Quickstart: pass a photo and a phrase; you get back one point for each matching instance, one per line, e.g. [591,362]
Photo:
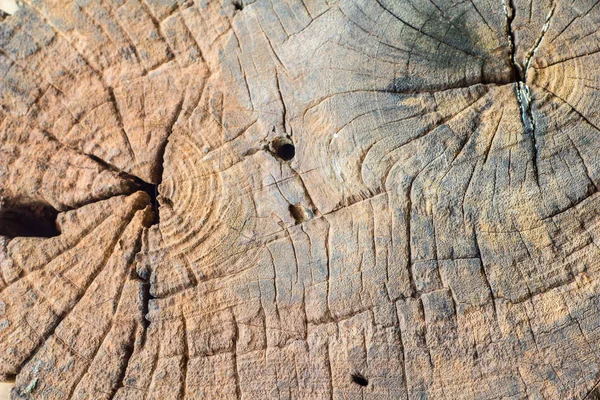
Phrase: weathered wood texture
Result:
[5,388]
[383,199]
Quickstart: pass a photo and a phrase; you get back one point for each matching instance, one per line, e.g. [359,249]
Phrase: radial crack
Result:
[509,12]
[29,220]
[538,42]
[522,91]
[524,99]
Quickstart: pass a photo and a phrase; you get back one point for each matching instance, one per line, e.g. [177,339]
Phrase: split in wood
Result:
[152,191]
[32,220]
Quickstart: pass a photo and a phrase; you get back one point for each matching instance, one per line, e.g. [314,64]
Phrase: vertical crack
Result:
[539,40]
[146,297]
[509,12]
[152,191]
[186,358]
[524,100]
[122,368]
[519,73]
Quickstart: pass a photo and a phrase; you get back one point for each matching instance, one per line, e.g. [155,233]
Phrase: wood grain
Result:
[383,199]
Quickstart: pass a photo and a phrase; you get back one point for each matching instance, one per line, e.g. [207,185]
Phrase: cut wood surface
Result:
[5,388]
[311,199]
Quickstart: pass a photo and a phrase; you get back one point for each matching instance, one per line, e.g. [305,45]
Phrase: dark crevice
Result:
[150,188]
[408,244]
[236,374]
[160,161]
[152,191]
[238,5]
[28,220]
[519,73]
[128,352]
[359,379]
[146,297]
[524,100]
[186,358]
[539,40]
[509,12]
[138,183]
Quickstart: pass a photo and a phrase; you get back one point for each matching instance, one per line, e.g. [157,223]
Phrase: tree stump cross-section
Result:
[311,199]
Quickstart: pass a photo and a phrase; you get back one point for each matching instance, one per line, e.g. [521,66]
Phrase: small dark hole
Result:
[286,151]
[298,213]
[360,380]
[238,5]
[283,147]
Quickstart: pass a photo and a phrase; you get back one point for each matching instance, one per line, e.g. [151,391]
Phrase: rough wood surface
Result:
[382,199]
[5,388]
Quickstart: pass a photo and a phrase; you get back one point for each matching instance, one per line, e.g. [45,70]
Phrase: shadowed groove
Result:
[31,220]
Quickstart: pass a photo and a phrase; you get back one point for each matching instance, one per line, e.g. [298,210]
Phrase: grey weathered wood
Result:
[434,233]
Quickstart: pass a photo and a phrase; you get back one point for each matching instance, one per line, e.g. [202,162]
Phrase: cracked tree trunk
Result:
[312,199]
